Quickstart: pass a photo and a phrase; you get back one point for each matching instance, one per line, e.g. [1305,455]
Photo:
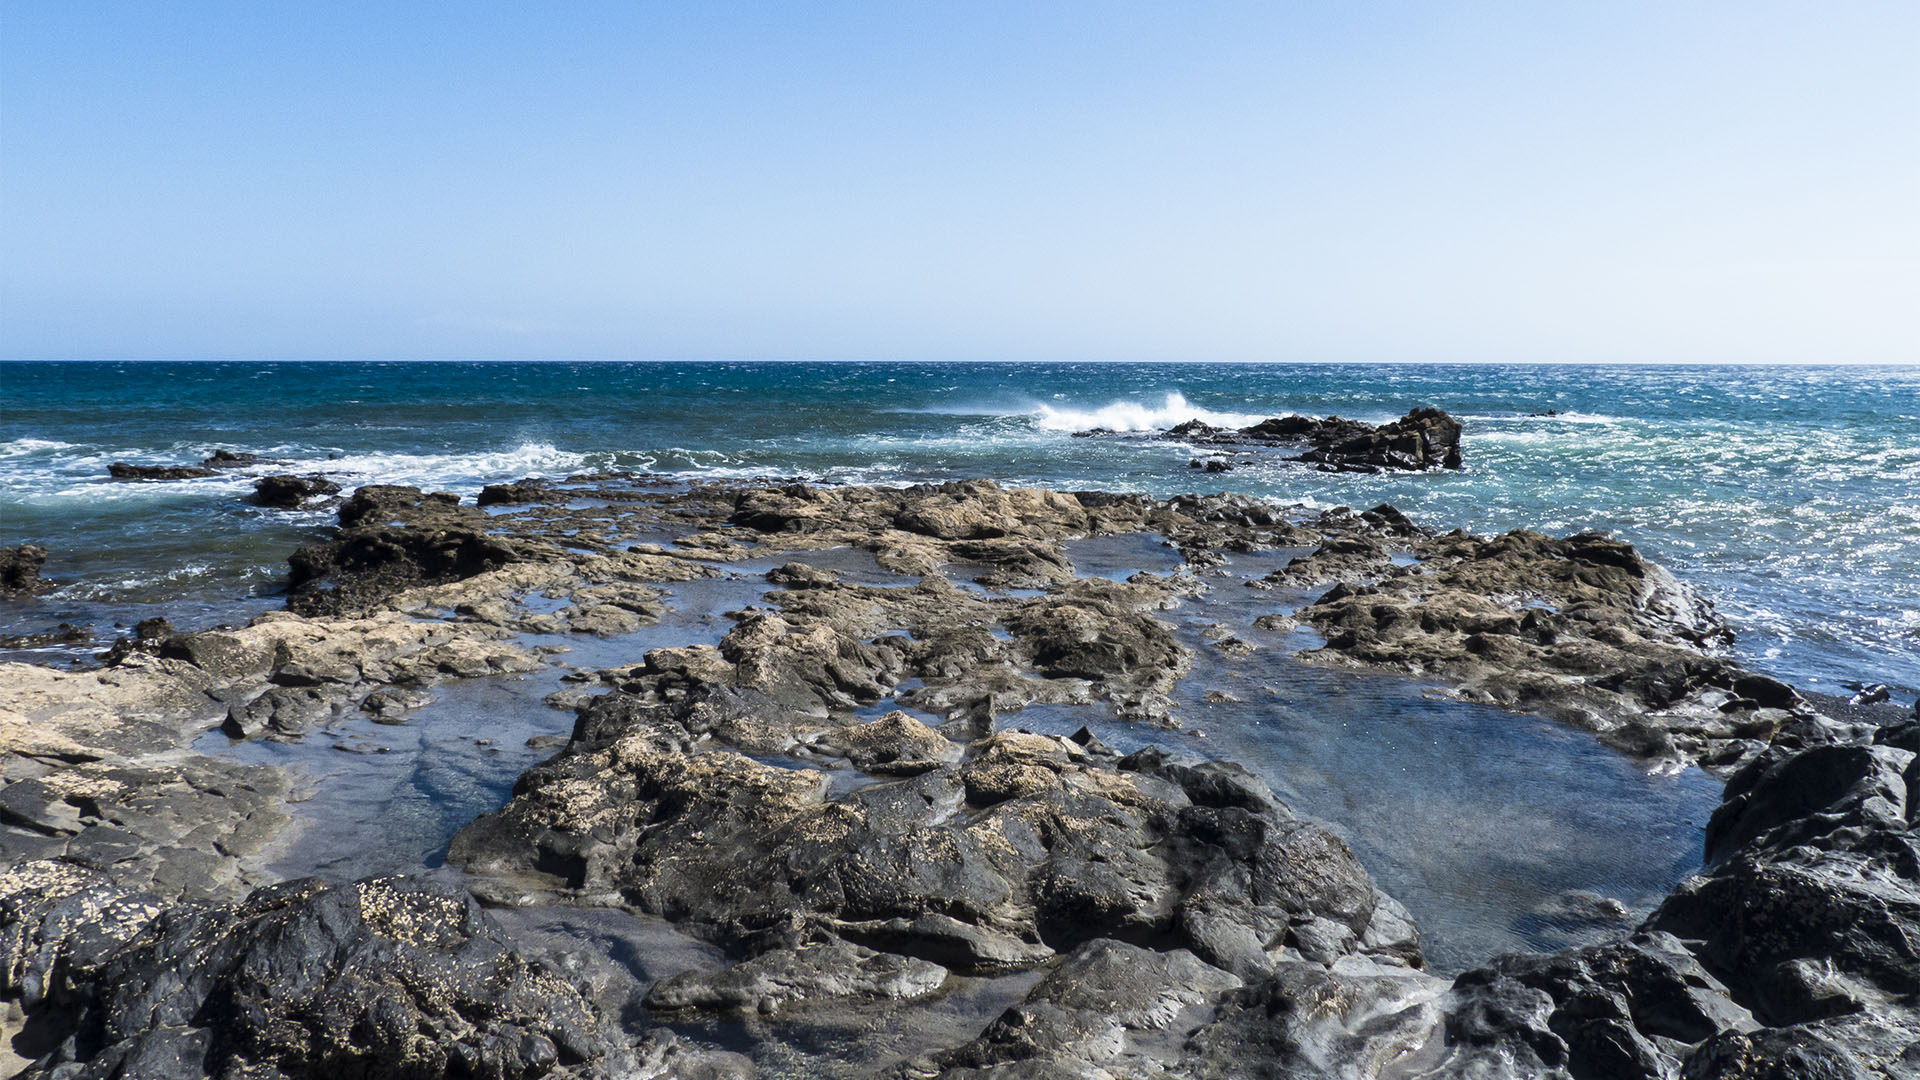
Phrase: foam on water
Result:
[1134,416]
[1791,496]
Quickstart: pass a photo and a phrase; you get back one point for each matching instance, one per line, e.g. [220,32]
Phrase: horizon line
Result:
[869,360]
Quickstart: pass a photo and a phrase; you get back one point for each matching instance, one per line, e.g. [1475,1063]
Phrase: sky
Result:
[941,180]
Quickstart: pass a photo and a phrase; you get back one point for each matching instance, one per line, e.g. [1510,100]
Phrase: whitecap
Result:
[1134,416]
[24,446]
[457,469]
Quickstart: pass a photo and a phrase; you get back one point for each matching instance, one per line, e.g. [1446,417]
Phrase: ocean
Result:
[1789,495]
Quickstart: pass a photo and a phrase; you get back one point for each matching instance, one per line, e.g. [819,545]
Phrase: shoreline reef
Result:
[945,894]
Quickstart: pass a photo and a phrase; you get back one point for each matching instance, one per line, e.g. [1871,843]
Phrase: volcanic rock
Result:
[227,459]
[383,977]
[393,539]
[20,571]
[120,470]
[291,492]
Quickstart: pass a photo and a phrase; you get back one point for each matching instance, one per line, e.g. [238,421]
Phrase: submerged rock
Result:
[64,634]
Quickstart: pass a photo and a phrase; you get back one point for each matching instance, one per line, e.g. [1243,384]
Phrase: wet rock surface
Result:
[1582,628]
[292,492]
[833,791]
[1425,438]
[393,539]
[121,470]
[20,571]
[1025,847]
[384,977]
[64,634]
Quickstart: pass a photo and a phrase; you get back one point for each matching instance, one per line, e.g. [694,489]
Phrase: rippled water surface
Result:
[1792,495]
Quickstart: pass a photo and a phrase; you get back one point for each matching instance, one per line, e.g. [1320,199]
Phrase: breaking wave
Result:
[1134,416]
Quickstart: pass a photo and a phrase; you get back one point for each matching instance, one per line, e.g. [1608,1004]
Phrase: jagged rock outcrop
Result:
[1025,847]
[20,571]
[291,492]
[397,538]
[383,977]
[1583,628]
[1425,438]
[1422,439]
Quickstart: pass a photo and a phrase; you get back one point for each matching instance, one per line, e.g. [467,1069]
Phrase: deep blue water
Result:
[1790,495]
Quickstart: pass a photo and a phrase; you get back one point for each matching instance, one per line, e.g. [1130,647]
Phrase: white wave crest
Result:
[22,447]
[454,470]
[1133,416]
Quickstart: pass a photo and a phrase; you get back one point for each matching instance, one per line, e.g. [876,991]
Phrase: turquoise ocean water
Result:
[1790,495]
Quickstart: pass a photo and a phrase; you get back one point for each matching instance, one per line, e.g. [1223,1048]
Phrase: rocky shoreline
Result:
[837,796]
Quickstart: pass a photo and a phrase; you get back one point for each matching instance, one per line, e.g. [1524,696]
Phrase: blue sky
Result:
[1627,181]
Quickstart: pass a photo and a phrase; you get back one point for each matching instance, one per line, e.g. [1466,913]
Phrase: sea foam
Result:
[1134,416]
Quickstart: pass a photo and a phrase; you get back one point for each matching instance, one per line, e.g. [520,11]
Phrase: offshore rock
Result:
[120,470]
[1425,438]
[291,492]
[63,634]
[383,977]
[1422,439]
[227,459]
[20,571]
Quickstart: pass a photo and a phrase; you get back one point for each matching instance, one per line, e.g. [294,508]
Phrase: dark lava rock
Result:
[1027,846]
[291,492]
[1109,1009]
[785,978]
[387,977]
[1422,439]
[520,492]
[1425,438]
[395,538]
[1796,955]
[1812,907]
[20,571]
[64,634]
[1582,628]
[227,459]
[120,470]
[1090,631]
[1607,1012]
[374,505]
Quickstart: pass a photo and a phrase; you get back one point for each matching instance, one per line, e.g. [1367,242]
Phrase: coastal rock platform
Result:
[835,801]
